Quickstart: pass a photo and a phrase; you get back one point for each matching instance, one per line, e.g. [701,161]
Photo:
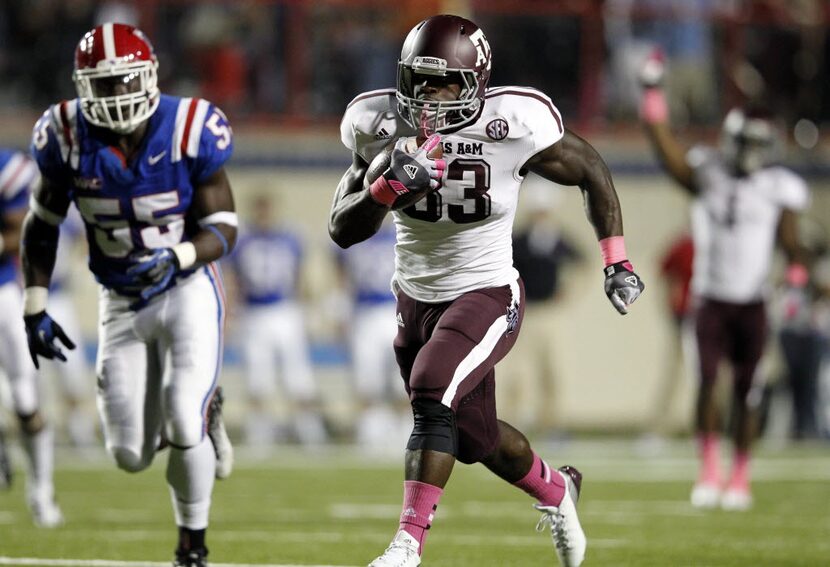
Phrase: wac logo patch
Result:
[497,129]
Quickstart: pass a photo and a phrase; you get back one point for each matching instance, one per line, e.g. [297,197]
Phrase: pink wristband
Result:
[613,250]
[653,107]
[797,275]
[382,192]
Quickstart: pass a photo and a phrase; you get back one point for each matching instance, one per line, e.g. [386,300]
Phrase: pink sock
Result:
[543,483]
[419,503]
[740,471]
[708,445]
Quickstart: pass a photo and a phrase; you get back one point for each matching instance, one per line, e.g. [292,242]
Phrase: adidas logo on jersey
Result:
[411,170]
[382,134]
[399,319]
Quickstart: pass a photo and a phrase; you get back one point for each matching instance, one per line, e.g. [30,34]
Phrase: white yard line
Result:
[29,561]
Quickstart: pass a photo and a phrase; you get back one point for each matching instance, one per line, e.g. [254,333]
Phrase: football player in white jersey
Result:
[146,172]
[18,178]
[743,204]
[460,300]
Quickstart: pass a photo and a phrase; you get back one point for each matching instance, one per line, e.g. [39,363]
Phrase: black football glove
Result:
[622,285]
[41,332]
[410,172]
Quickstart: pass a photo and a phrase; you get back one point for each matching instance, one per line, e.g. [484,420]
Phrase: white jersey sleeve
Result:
[540,121]
[792,193]
[370,123]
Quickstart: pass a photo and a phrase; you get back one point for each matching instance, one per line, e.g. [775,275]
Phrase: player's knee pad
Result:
[31,423]
[130,461]
[434,429]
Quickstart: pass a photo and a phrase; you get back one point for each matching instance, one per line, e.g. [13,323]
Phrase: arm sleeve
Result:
[793,191]
[18,179]
[545,122]
[215,145]
[45,148]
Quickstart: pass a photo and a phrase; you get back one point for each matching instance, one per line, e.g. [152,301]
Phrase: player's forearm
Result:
[355,216]
[601,203]
[214,241]
[10,233]
[789,239]
[38,246]
[670,153]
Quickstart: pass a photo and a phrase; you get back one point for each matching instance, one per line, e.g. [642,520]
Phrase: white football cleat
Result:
[219,436]
[402,552]
[567,534]
[705,495]
[736,499]
[46,513]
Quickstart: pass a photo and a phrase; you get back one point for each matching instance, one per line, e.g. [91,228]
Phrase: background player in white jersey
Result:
[743,205]
[18,177]
[146,172]
[367,270]
[267,264]
[460,300]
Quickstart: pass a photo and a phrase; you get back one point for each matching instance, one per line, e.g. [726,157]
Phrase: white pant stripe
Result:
[480,352]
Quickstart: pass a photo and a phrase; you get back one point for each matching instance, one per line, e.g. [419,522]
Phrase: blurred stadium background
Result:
[284,70]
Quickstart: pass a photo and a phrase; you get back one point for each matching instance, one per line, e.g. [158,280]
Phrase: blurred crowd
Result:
[305,60]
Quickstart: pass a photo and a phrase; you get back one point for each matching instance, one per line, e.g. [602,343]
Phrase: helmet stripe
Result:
[109,41]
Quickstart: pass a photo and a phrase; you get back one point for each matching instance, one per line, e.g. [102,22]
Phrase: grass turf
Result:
[336,508]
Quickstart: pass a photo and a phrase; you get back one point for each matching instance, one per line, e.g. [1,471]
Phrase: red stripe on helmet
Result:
[131,45]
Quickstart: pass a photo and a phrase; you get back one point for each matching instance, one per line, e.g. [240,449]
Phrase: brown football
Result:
[381,164]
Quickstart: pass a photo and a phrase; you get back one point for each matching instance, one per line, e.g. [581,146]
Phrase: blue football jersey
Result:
[129,208]
[370,267]
[267,265]
[18,177]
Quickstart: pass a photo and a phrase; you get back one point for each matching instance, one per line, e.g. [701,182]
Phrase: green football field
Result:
[336,507]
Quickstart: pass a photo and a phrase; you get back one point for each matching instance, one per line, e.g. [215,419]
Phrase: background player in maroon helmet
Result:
[460,300]
[744,204]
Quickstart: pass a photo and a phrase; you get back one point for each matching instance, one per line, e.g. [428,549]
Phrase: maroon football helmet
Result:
[750,139]
[454,49]
[116,76]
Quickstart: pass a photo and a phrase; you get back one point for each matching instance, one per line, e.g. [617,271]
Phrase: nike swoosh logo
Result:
[153,160]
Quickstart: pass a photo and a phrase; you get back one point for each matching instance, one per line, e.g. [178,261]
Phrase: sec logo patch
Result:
[497,129]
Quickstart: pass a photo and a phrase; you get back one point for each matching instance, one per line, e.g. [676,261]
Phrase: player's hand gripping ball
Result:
[412,168]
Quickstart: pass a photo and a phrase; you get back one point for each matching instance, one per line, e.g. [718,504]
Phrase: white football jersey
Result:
[735,223]
[458,238]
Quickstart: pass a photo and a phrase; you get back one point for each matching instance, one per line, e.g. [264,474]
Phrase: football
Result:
[381,164]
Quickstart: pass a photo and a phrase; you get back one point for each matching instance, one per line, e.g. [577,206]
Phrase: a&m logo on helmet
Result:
[482,48]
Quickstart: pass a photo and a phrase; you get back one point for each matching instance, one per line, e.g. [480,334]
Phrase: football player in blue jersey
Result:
[367,270]
[267,263]
[18,177]
[145,171]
